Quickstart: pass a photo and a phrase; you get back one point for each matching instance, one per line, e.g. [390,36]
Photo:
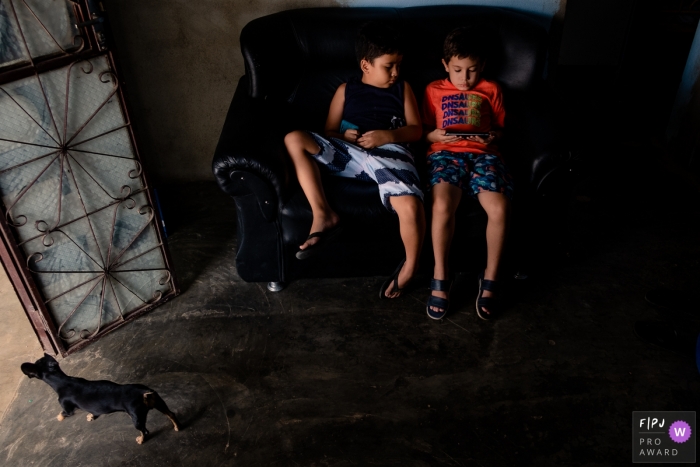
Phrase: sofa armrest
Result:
[250,144]
[534,144]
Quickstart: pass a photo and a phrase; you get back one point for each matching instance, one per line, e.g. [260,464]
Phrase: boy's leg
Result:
[412,227]
[391,167]
[446,199]
[497,207]
[493,185]
[300,146]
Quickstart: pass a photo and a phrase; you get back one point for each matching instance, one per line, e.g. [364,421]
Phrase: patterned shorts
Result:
[390,166]
[469,171]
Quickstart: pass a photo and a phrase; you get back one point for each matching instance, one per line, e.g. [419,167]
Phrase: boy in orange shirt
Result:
[467,103]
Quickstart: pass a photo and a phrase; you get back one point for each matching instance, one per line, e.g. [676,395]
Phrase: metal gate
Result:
[80,235]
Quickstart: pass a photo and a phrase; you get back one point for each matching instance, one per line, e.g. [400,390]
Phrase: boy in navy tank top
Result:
[369,121]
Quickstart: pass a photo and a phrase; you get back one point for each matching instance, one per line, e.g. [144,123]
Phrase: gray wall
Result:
[181,62]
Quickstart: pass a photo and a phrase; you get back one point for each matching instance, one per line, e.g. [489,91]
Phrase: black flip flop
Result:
[323,238]
[393,278]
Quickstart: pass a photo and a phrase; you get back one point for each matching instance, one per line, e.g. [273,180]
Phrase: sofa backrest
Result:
[302,56]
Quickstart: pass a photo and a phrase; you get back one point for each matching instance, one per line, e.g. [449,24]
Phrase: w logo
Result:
[679,431]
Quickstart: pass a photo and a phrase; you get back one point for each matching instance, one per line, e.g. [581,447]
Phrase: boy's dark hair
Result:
[465,41]
[377,38]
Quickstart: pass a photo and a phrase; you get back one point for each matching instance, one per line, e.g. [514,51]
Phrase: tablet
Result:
[466,133]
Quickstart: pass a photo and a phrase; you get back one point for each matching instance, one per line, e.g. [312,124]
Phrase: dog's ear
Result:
[30,370]
[50,361]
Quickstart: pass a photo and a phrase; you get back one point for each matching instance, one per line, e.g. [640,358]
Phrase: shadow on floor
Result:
[324,373]
[203,218]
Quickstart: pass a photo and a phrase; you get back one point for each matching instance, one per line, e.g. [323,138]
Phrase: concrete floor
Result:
[19,343]
[325,374]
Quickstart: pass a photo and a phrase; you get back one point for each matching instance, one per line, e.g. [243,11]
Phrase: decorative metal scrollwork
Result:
[97,264]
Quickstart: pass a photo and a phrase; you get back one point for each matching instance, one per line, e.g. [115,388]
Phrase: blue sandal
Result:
[442,304]
[491,303]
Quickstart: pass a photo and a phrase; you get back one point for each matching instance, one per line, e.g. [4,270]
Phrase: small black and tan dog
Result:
[98,397]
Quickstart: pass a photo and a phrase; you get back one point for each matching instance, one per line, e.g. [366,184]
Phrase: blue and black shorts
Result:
[475,173]
[390,166]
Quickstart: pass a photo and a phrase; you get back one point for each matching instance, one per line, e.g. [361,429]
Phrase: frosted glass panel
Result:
[48,26]
[73,191]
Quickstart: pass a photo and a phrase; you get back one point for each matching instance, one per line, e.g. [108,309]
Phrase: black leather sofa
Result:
[294,62]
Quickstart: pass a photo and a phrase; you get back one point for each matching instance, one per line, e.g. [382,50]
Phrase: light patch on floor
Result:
[19,343]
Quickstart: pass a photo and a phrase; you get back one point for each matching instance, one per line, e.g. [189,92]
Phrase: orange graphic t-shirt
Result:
[478,110]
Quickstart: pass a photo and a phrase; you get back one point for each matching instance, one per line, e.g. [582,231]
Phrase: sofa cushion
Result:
[280,49]
[285,52]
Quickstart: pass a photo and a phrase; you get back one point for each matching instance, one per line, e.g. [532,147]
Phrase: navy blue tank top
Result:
[372,108]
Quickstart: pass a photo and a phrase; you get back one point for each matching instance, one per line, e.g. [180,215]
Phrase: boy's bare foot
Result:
[405,276]
[320,224]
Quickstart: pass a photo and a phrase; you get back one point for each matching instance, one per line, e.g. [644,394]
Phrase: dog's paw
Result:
[90,417]
[139,439]
[60,417]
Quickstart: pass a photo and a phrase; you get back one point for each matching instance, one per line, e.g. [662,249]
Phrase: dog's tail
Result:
[150,398]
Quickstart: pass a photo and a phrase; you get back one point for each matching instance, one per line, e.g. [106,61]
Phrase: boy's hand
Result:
[373,139]
[351,136]
[492,135]
[440,136]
